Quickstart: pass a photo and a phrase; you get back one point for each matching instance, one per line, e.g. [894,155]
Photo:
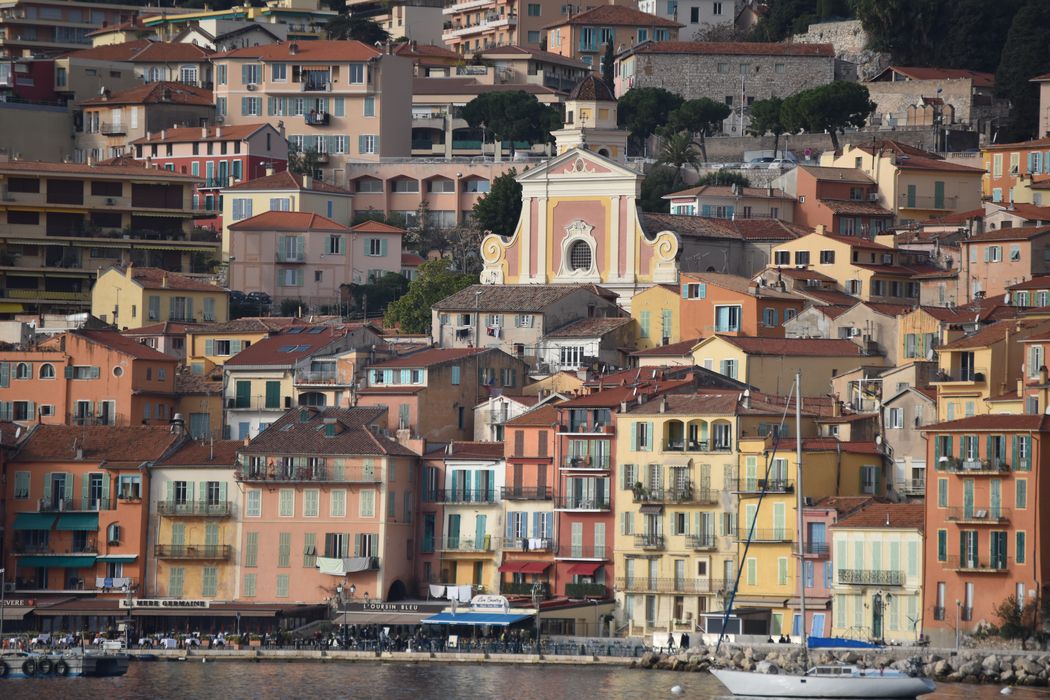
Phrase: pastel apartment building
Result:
[30,27]
[88,378]
[67,220]
[344,100]
[307,257]
[328,501]
[583,36]
[732,202]
[132,297]
[844,201]
[151,61]
[995,260]
[1014,172]
[209,346]
[711,302]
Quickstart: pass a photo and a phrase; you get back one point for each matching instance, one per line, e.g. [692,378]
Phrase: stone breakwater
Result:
[967,666]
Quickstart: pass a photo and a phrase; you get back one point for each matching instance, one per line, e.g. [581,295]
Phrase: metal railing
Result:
[283,474]
[701,541]
[586,590]
[582,503]
[644,584]
[469,544]
[966,614]
[815,549]
[106,419]
[323,378]
[526,493]
[88,547]
[926,201]
[686,494]
[976,466]
[649,541]
[529,544]
[988,516]
[696,446]
[192,551]
[870,577]
[485,496]
[513,588]
[284,256]
[938,613]
[975,564]
[757,486]
[587,462]
[911,487]
[776,534]
[47,505]
[112,128]
[957,376]
[220,509]
[584,552]
[320,119]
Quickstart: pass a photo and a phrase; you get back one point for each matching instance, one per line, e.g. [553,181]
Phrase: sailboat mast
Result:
[799,503]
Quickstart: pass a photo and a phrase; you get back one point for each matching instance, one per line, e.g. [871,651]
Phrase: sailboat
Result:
[822,681]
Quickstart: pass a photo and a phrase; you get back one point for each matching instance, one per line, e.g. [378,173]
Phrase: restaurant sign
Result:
[165,603]
[380,606]
[489,603]
[17,603]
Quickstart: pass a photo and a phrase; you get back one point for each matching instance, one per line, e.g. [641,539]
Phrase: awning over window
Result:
[511,567]
[78,521]
[119,558]
[587,568]
[474,618]
[534,567]
[652,508]
[34,521]
[65,562]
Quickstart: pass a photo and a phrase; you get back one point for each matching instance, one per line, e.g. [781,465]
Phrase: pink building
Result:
[328,501]
[304,256]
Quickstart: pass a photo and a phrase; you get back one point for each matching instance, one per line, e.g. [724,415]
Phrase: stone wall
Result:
[732,148]
[851,47]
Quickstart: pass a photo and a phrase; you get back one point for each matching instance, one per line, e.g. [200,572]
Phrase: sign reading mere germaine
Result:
[164,603]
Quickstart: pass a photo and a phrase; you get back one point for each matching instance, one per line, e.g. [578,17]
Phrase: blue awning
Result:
[78,521]
[474,618]
[34,521]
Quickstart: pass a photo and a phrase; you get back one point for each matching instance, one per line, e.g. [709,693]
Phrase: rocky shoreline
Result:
[946,666]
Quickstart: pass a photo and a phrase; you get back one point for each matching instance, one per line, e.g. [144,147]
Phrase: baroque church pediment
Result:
[577,162]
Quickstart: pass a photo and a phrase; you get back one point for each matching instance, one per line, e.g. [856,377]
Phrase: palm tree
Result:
[679,151]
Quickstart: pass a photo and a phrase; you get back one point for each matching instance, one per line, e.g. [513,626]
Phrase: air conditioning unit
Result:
[110,201]
[873,197]
[252,87]
[854,332]
[220,119]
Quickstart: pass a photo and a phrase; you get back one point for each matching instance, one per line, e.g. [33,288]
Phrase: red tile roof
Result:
[285,348]
[145,51]
[832,311]
[805,347]
[890,309]
[611,398]
[114,340]
[833,174]
[155,278]
[411,260]
[429,358]
[957,218]
[1018,329]
[412,49]
[115,445]
[882,516]
[737,48]
[805,273]
[615,16]
[526,51]
[728,191]
[858,242]
[192,134]
[831,297]
[1008,234]
[195,453]
[843,504]
[1032,143]
[251,324]
[738,284]
[162,328]
[993,421]
[138,170]
[544,416]
[708,227]
[288,221]
[156,93]
[679,349]
[306,51]
[590,327]
[1029,212]
[355,434]
[286,180]
[830,445]
[468,450]
[853,208]
[922,73]
[373,226]
[1038,282]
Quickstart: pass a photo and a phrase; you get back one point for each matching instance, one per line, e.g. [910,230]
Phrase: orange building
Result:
[712,302]
[1013,169]
[77,507]
[982,519]
[88,377]
[842,200]
[583,35]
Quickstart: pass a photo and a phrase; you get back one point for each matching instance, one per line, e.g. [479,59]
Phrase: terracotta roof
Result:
[292,435]
[138,170]
[590,327]
[854,208]
[162,328]
[615,16]
[831,297]
[807,347]
[411,260]
[851,418]
[843,504]
[720,403]
[155,278]
[196,453]
[251,324]
[832,311]
[122,26]
[997,331]
[1029,212]
[514,298]
[993,421]
[544,416]
[373,226]
[115,445]
[890,309]
[188,383]
[156,93]
[468,450]
[831,445]
[912,158]
[679,349]
[546,56]
[288,221]
[738,48]
[707,227]
[471,86]
[412,49]
[955,314]
[1038,282]
[1031,143]
[1008,234]
[857,242]
[805,273]
[145,51]
[285,348]
[922,73]
[728,191]
[114,340]
[636,376]
[820,172]
[286,180]
[192,134]
[430,358]
[592,88]
[956,218]
[739,284]
[611,398]
[882,516]
[307,51]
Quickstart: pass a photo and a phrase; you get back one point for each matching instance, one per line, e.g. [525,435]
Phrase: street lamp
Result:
[537,594]
[3,585]
[127,589]
[958,614]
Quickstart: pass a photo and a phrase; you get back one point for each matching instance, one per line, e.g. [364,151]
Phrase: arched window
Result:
[580,256]
[23,371]
[47,371]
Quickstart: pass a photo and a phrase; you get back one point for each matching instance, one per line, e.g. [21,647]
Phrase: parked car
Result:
[259,298]
[237,297]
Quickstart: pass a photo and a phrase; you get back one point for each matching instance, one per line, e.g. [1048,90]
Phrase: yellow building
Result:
[926,328]
[877,586]
[193,530]
[133,297]
[657,310]
[770,363]
[913,183]
[770,566]
[590,121]
[208,347]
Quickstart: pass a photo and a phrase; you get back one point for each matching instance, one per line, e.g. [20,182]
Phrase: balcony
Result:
[192,551]
[325,378]
[259,403]
[526,493]
[457,7]
[720,446]
[90,546]
[189,509]
[590,552]
[451,496]
[958,377]
[290,475]
[512,588]
[701,542]
[817,550]
[584,503]
[911,487]
[105,419]
[286,256]
[47,505]
[486,544]
[587,462]
[754,487]
[979,516]
[926,202]
[765,536]
[686,494]
[975,565]
[493,20]
[870,577]
[529,544]
[112,129]
[317,119]
[586,590]
[317,86]
[977,466]
[643,584]
[649,541]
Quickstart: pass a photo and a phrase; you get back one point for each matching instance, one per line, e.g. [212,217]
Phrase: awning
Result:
[16,612]
[474,618]
[64,562]
[34,521]
[652,508]
[341,567]
[9,307]
[511,567]
[119,558]
[363,617]
[534,567]
[587,568]
[78,521]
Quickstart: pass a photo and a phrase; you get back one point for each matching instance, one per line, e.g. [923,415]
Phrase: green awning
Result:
[34,521]
[64,562]
[119,558]
[78,521]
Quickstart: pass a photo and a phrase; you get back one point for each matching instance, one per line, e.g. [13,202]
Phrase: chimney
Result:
[218,132]
[128,271]
[164,280]
[307,182]
[149,135]
[293,48]
[163,134]
[745,398]
[268,169]
[820,229]
[663,404]
[204,132]
[623,407]
[178,425]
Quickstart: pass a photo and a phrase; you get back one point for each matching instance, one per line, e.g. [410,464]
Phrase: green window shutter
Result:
[178,534]
[67,489]
[211,534]
[222,492]
[5,374]
[209,347]
[251,549]
[382,247]
[942,545]
[284,549]
[273,394]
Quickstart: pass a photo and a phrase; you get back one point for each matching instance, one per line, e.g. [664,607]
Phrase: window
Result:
[242,209]
[802,257]
[782,257]
[368,503]
[727,318]
[282,586]
[895,418]
[311,503]
[375,247]
[286,503]
[769,318]
[367,143]
[21,492]
[993,253]
[580,256]
[357,73]
[250,73]
[827,257]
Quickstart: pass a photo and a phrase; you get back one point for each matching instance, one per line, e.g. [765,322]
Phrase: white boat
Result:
[826,682]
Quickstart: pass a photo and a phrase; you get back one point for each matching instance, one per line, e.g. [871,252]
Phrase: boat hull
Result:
[790,686]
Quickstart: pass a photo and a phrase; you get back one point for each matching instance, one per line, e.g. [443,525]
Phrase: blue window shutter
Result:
[685,291]
[701,290]
[536,524]
[705,210]
[509,532]
[729,212]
